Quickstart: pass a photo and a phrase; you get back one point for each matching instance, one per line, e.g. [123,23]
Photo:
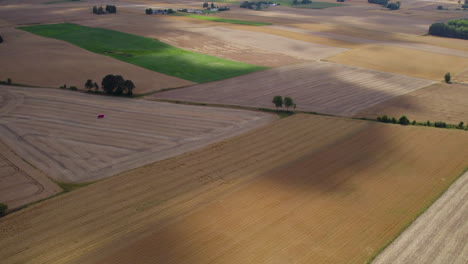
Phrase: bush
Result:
[403,120]
[73,88]
[8,81]
[3,209]
[440,124]
[393,6]
[447,77]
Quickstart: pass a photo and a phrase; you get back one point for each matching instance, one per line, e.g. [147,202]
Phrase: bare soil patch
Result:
[58,132]
[410,62]
[317,87]
[305,189]
[33,60]
[438,102]
[438,236]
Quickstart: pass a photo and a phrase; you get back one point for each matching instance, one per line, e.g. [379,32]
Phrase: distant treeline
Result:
[384,3]
[403,120]
[453,29]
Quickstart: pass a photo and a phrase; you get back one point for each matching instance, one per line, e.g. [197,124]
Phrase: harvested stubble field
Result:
[404,61]
[34,60]
[439,236]
[58,132]
[305,189]
[316,87]
[438,102]
[20,183]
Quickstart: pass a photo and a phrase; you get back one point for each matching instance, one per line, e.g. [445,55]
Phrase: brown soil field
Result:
[438,102]
[58,132]
[403,61]
[316,87]
[305,189]
[439,236]
[20,183]
[33,60]
[185,34]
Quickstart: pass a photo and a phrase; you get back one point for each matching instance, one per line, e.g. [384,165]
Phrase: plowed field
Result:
[321,87]
[58,132]
[305,189]
[438,102]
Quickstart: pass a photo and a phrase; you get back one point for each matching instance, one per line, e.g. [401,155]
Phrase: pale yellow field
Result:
[403,61]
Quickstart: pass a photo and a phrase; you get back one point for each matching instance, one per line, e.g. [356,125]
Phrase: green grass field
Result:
[146,52]
[225,20]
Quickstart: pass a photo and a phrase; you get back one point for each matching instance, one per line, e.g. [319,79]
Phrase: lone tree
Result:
[89,84]
[1,39]
[447,77]
[403,120]
[3,209]
[288,102]
[278,101]
[205,5]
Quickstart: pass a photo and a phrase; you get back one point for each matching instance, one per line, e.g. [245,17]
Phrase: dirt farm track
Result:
[305,189]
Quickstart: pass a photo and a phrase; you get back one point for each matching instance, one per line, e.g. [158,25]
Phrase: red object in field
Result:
[100,116]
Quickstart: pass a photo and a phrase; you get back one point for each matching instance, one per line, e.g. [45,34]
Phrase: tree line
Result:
[453,29]
[403,120]
[110,9]
[150,11]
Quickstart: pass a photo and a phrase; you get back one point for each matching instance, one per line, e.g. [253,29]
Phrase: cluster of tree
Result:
[403,120]
[453,29]
[3,209]
[301,2]
[110,9]
[278,101]
[112,84]
[384,3]
[212,6]
[150,11]
[255,5]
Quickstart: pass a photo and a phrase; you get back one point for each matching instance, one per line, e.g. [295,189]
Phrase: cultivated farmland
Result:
[20,183]
[34,60]
[144,52]
[57,131]
[438,102]
[409,62]
[319,87]
[305,189]
[439,236]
